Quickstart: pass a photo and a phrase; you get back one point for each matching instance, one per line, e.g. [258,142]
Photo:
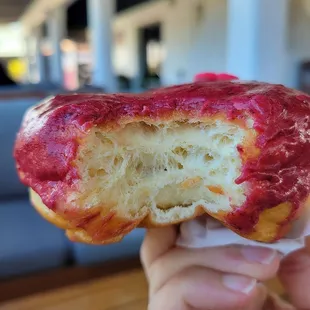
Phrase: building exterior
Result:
[253,39]
[204,35]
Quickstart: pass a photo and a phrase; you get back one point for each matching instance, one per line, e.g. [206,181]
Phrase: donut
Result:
[101,165]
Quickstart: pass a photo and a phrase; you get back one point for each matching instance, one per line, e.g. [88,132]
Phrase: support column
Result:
[257,39]
[56,29]
[39,57]
[29,57]
[100,14]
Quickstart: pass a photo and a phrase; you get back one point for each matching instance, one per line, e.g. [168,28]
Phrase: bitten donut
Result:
[100,165]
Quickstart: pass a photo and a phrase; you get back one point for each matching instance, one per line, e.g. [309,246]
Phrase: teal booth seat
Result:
[27,242]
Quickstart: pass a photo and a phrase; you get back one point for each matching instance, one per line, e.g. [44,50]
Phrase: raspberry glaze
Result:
[212,77]
[48,140]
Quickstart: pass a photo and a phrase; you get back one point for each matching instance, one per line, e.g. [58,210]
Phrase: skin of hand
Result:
[294,274]
[207,279]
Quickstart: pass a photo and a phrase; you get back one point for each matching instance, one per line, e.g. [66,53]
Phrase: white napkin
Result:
[206,232]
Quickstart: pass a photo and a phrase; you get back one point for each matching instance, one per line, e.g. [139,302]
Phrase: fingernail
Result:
[239,283]
[258,254]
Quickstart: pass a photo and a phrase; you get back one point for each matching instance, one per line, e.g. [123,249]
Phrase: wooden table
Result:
[79,288]
[127,290]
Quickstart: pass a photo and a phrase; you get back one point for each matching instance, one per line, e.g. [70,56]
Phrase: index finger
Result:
[157,242]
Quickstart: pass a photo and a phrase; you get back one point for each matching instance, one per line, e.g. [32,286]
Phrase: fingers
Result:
[157,242]
[255,262]
[202,288]
[212,278]
[274,302]
[295,275]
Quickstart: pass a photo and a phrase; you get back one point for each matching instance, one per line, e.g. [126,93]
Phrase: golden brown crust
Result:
[88,226]
[272,223]
[100,229]
[47,213]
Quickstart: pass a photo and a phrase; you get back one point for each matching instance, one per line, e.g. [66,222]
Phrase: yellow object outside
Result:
[17,69]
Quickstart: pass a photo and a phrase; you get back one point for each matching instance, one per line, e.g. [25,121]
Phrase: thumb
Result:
[295,275]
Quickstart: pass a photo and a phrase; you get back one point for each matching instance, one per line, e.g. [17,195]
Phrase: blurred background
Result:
[60,46]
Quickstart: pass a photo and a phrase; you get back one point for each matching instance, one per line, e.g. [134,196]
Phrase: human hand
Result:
[211,279]
[294,274]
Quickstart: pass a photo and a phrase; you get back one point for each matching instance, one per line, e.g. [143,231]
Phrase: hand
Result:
[294,274]
[206,279]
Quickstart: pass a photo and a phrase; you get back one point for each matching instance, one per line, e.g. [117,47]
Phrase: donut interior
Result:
[164,167]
